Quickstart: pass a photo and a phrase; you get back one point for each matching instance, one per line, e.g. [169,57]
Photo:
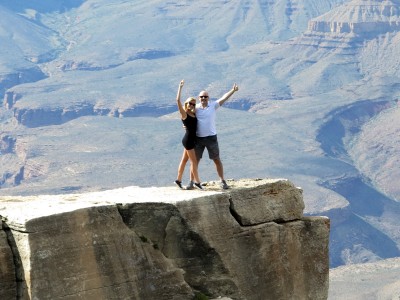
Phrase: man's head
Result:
[203,97]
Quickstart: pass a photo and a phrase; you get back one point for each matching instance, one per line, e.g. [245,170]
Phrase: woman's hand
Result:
[235,87]
[178,101]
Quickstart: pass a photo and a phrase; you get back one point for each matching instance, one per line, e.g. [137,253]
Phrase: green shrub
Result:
[199,296]
[143,239]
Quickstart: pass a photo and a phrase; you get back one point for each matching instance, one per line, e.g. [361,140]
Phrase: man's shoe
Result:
[224,185]
[198,185]
[190,186]
[179,183]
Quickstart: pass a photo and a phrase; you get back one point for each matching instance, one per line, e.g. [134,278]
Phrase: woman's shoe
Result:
[224,185]
[198,185]
[179,183]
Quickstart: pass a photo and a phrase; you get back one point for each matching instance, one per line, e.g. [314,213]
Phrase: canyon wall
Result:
[249,242]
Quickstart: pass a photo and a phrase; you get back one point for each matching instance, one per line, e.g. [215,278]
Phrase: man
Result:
[207,133]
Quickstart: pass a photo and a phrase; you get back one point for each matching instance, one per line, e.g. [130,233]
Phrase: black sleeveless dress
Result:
[189,138]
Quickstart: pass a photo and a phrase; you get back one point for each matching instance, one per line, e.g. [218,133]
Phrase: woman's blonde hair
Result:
[190,99]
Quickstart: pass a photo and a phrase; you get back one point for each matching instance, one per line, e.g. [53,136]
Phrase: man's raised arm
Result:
[227,95]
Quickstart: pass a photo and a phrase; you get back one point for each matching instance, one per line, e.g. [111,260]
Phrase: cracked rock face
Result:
[161,243]
[8,286]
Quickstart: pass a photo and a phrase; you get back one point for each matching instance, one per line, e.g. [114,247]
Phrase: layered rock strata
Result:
[363,17]
[347,26]
[250,242]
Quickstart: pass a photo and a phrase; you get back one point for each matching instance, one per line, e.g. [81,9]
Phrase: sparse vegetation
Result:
[200,296]
[143,239]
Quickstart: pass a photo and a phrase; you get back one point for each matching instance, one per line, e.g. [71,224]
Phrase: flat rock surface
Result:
[19,209]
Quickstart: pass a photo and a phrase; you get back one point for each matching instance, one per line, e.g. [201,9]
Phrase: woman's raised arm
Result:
[178,101]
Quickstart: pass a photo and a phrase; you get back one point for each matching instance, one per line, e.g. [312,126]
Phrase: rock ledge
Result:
[162,243]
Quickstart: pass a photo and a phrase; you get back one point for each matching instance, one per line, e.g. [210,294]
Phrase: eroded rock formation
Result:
[363,17]
[250,242]
[349,25]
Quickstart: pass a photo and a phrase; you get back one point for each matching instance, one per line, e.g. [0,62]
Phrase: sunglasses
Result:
[192,104]
[204,97]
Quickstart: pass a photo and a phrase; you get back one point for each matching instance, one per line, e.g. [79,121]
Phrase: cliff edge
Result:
[249,242]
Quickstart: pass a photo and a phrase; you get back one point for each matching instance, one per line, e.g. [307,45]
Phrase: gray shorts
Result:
[209,142]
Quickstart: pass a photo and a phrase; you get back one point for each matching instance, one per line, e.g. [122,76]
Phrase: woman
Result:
[189,121]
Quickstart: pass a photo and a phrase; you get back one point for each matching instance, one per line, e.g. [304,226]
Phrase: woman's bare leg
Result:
[193,165]
[182,165]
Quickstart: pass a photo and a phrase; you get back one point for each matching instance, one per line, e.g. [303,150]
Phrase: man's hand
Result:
[226,96]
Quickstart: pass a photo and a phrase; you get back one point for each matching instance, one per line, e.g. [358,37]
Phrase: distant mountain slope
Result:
[198,41]
[375,151]
[312,75]
[366,281]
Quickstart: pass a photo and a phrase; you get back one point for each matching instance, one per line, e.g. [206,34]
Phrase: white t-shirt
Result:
[206,119]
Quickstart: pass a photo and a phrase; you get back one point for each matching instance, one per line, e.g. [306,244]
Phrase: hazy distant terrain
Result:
[89,90]
[379,280]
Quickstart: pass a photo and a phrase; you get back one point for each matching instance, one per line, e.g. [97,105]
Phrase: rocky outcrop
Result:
[360,17]
[15,78]
[250,242]
[46,116]
[347,26]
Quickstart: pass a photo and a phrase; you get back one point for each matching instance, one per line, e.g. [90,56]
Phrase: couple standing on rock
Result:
[201,133]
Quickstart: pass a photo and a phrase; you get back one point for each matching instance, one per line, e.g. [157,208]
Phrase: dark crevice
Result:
[19,270]
[234,214]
